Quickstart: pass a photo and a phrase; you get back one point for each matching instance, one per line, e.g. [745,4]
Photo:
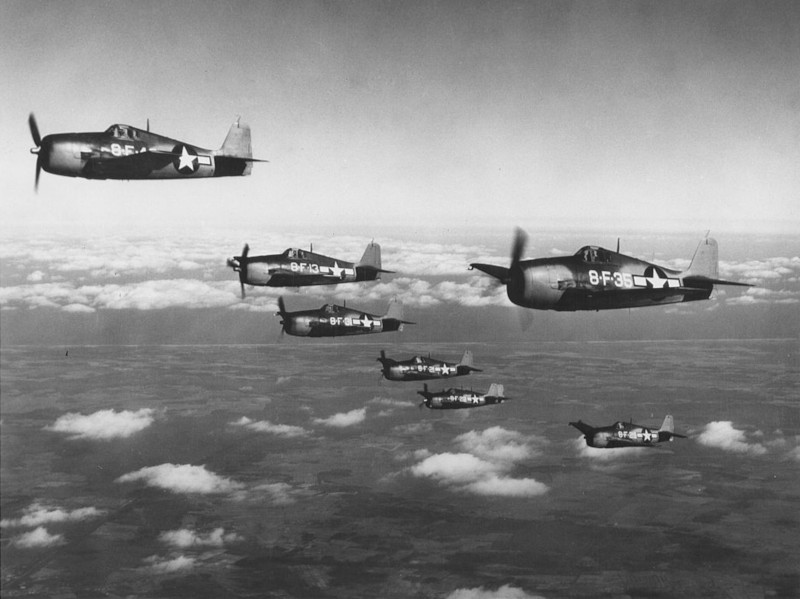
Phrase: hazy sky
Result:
[635,115]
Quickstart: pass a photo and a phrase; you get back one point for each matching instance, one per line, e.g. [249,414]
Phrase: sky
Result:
[433,128]
[652,116]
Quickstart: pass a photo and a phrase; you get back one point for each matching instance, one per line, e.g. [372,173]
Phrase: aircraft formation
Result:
[594,278]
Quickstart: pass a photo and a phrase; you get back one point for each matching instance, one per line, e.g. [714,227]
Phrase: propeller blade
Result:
[38,172]
[281,307]
[520,239]
[37,139]
[243,267]
[525,318]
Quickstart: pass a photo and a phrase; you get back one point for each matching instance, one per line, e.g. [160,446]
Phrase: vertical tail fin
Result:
[395,310]
[496,390]
[668,426]
[236,145]
[372,256]
[705,262]
[466,359]
[369,268]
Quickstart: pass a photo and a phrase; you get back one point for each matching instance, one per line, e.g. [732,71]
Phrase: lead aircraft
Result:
[421,368]
[296,268]
[332,320]
[126,152]
[627,434]
[595,278]
[456,399]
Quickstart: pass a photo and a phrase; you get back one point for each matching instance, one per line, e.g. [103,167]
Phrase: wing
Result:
[133,166]
[299,280]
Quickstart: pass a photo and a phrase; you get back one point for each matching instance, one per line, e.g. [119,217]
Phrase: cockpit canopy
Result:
[593,253]
[295,254]
[123,132]
[331,309]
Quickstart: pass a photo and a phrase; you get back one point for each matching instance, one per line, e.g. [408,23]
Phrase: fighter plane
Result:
[456,399]
[296,267]
[421,368]
[626,434]
[126,152]
[332,320]
[595,278]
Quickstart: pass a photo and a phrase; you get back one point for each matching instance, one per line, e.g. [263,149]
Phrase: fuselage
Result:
[595,279]
[125,152]
[420,369]
[298,268]
[333,321]
[454,399]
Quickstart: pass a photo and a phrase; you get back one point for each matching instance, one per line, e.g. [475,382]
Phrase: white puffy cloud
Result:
[184,538]
[38,537]
[35,276]
[103,425]
[37,514]
[182,478]
[487,473]
[722,435]
[504,592]
[265,426]
[158,565]
[497,444]
[344,419]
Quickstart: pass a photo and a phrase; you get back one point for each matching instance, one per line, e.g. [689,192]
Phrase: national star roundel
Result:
[186,162]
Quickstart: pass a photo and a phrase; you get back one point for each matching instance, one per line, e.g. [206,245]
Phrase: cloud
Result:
[167,566]
[183,478]
[722,435]
[504,592]
[184,538]
[265,426]
[103,425]
[38,538]
[37,514]
[344,419]
[497,444]
[498,451]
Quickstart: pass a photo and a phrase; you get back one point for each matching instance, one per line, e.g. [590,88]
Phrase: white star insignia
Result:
[446,369]
[366,321]
[647,435]
[337,270]
[187,160]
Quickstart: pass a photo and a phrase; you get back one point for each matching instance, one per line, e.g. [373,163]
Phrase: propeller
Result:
[520,240]
[282,313]
[37,139]
[239,263]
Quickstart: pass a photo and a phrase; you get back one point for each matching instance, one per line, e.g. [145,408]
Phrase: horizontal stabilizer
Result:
[702,282]
[583,427]
[498,272]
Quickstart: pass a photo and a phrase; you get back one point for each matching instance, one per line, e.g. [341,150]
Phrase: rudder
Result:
[496,390]
[668,426]
[705,262]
